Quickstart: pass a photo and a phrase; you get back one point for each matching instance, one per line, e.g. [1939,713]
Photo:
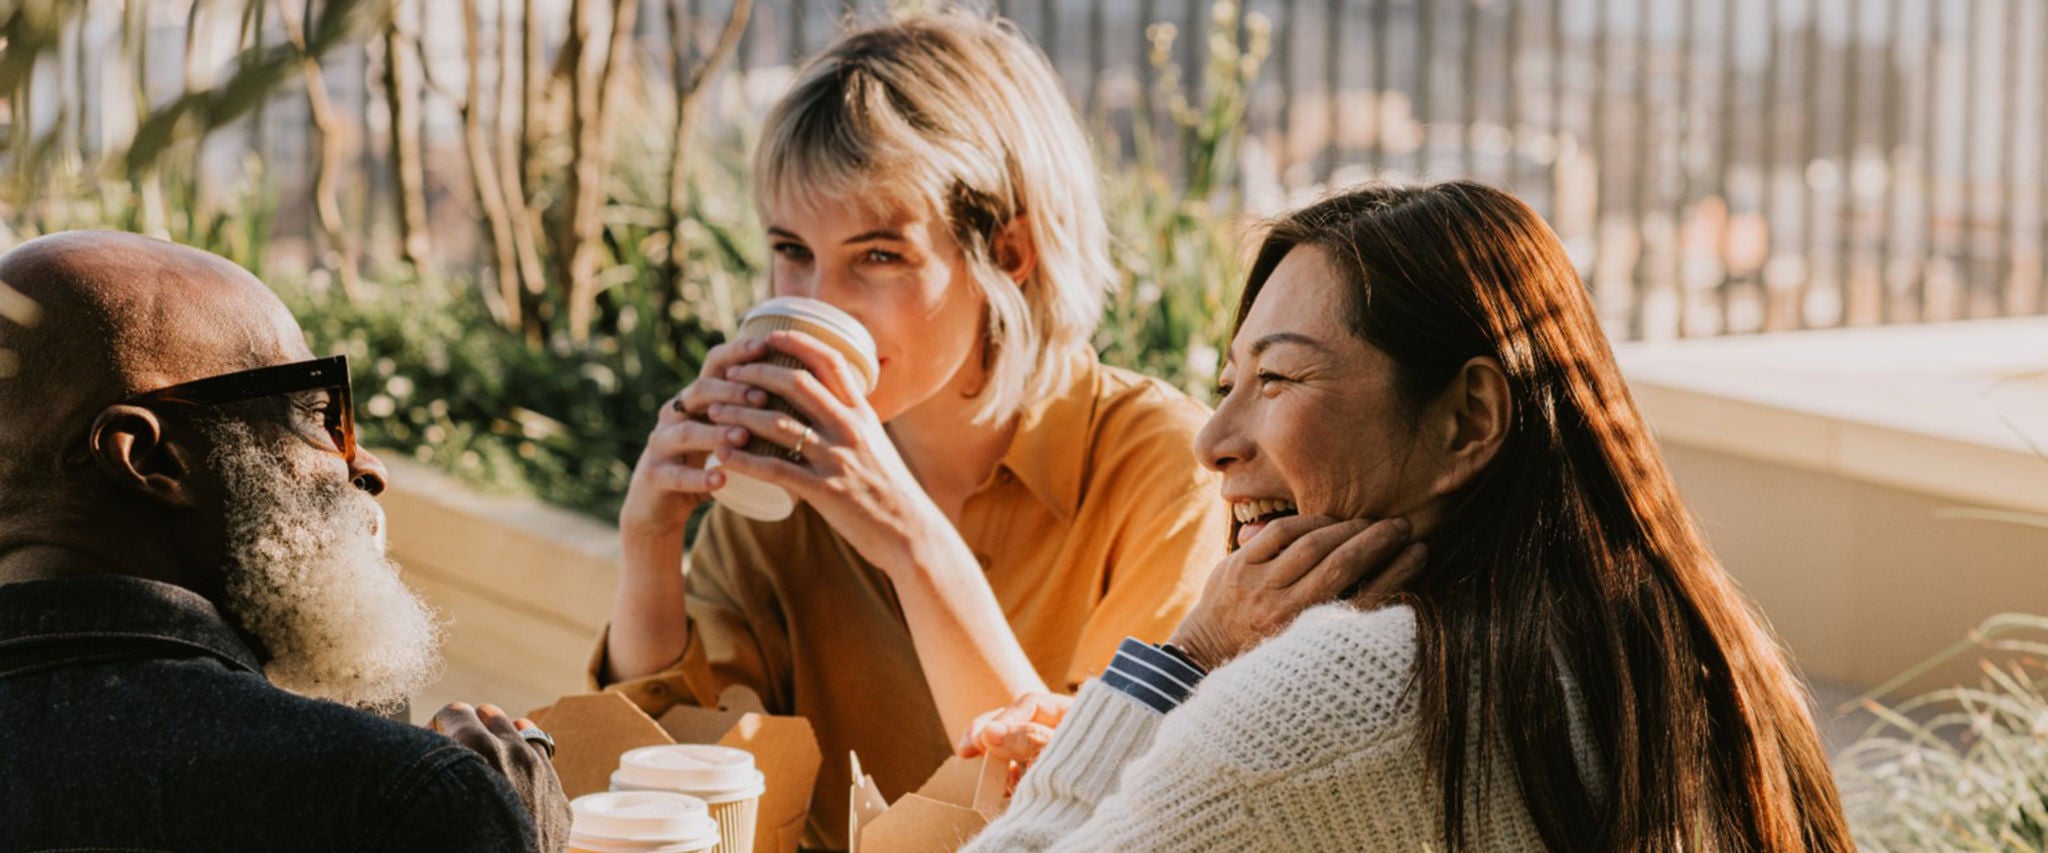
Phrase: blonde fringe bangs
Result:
[957,117]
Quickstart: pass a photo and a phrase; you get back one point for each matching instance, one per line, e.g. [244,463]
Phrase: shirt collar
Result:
[1049,453]
[117,609]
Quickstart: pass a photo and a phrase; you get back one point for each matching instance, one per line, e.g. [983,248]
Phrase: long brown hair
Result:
[1570,560]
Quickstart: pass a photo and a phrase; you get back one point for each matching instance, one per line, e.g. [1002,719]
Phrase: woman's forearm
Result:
[970,657]
[1057,800]
[650,624]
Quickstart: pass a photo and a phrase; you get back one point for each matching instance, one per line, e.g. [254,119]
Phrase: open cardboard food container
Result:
[954,804]
[592,730]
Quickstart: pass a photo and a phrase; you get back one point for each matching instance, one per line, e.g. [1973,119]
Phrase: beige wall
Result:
[1860,580]
[1828,469]
[526,587]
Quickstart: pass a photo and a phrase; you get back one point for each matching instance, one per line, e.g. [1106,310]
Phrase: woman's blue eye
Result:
[792,251]
[878,256]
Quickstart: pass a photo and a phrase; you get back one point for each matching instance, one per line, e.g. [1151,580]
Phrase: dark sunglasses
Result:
[325,375]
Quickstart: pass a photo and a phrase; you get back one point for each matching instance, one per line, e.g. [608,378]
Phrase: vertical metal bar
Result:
[1194,50]
[1809,148]
[1425,97]
[1846,248]
[1048,30]
[2041,152]
[1731,106]
[1147,105]
[1098,57]
[1688,85]
[1968,182]
[1382,82]
[1772,106]
[1894,93]
[748,51]
[1283,55]
[1241,31]
[1596,137]
[689,47]
[798,39]
[1930,248]
[1333,86]
[1559,73]
[1647,171]
[1468,106]
[1512,85]
[2008,157]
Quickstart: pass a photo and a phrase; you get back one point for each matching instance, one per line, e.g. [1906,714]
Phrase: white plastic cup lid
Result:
[643,817]
[714,773]
[821,313]
[752,498]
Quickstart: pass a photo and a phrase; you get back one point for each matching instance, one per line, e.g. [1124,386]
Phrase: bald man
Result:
[195,604]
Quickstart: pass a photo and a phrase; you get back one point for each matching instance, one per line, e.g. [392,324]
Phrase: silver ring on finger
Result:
[533,735]
[801,440]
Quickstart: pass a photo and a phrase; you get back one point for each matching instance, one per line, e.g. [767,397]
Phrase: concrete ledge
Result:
[1952,409]
[526,586]
[1827,468]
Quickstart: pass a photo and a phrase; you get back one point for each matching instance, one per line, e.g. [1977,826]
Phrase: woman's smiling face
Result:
[903,277]
[1309,419]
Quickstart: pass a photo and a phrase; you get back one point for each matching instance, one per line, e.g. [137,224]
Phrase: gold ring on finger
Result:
[801,440]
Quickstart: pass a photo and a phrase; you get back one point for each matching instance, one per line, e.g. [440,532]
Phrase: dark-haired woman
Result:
[1563,665]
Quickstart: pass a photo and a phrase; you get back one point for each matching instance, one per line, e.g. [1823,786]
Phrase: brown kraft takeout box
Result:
[592,730]
[954,804]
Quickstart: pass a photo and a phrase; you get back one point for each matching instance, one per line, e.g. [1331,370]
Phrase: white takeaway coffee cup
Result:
[641,822]
[723,777]
[834,328]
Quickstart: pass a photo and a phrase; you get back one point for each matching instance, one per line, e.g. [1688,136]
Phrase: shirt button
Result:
[657,689]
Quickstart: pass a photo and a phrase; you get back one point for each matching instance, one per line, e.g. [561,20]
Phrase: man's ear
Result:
[1473,417]
[1015,250]
[130,447]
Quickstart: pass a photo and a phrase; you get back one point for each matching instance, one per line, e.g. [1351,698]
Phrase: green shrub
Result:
[440,378]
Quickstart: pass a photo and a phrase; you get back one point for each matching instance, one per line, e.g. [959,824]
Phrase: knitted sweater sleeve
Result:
[1259,745]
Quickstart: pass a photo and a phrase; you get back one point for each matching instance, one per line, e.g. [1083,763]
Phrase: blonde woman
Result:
[1001,511]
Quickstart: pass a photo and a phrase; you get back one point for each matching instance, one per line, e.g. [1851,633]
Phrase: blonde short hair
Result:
[959,116]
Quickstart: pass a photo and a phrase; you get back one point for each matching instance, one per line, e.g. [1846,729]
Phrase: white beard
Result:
[308,577]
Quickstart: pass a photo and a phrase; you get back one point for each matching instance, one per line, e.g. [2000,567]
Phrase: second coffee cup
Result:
[834,328]
[641,822]
[721,776]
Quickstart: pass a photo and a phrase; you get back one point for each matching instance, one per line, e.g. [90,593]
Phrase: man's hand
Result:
[493,734]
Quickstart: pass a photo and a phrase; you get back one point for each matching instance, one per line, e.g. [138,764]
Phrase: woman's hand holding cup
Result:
[846,467]
[1294,564]
[670,481]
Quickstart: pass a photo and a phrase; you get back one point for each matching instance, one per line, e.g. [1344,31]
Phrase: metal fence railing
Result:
[1714,166]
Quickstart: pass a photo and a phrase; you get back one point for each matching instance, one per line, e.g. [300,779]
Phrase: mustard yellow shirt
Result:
[1099,523]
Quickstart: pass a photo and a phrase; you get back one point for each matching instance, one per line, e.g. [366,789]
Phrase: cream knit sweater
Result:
[1307,742]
